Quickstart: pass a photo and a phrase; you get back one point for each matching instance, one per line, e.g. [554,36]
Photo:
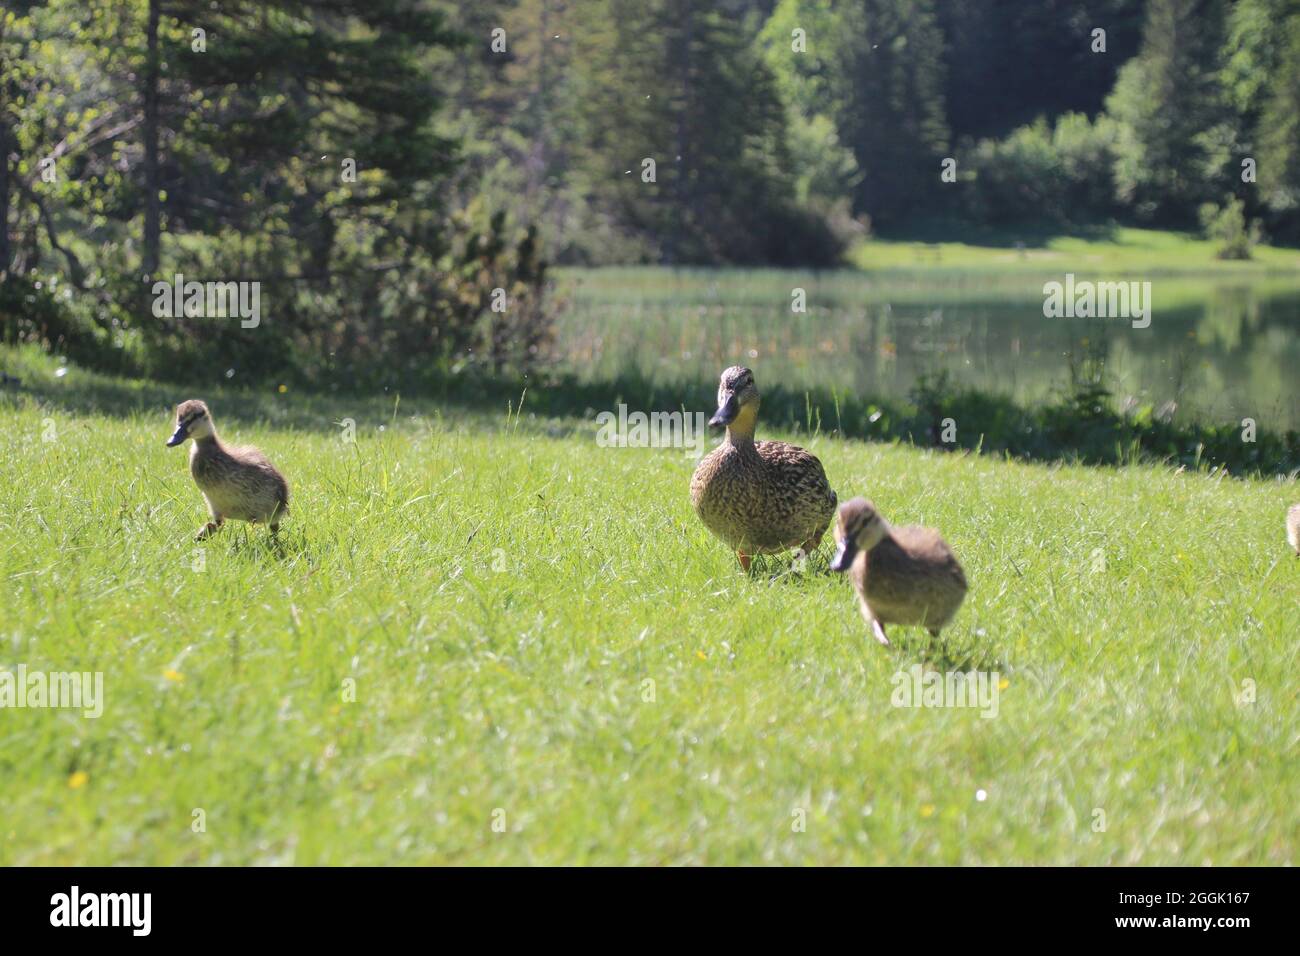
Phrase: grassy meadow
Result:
[552,661]
[1118,251]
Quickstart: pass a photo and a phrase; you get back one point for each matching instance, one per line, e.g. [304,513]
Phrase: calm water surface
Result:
[1221,350]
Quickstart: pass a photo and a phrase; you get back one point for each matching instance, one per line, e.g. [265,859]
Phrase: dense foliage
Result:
[397,174]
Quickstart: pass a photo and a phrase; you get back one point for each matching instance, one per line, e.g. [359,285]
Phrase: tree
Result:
[1174,137]
[1279,132]
[1009,63]
[686,137]
[149,94]
[876,68]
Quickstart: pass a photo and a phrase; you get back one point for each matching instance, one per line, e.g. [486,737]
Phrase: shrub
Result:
[1227,225]
[1061,174]
[30,312]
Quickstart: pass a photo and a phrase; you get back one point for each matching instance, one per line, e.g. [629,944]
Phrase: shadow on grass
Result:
[255,541]
[946,655]
[788,569]
[1079,428]
[1033,235]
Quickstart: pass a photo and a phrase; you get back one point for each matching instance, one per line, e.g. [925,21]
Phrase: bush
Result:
[1038,172]
[1227,225]
[31,313]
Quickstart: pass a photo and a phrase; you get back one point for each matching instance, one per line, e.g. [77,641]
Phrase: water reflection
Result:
[1213,352]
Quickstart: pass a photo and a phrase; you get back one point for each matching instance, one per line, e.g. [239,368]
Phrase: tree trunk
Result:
[4,196]
[680,159]
[4,172]
[152,212]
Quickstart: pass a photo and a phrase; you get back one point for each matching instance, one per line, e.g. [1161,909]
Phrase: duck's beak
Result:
[844,556]
[727,411]
[178,436]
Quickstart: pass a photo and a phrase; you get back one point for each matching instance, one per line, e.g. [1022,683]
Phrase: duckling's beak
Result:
[727,411]
[178,436]
[844,556]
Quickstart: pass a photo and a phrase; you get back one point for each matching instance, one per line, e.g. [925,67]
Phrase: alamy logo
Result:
[58,689]
[1101,300]
[657,430]
[208,300]
[917,687]
[134,910]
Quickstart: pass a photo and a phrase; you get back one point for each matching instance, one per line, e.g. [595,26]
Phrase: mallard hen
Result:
[758,497]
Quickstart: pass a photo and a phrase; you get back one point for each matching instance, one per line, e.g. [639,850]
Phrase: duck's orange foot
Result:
[744,560]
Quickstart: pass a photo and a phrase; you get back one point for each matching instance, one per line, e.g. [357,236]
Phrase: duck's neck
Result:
[207,444]
[740,432]
[886,534]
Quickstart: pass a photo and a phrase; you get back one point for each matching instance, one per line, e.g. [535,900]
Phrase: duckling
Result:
[903,576]
[1293,528]
[758,497]
[237,483]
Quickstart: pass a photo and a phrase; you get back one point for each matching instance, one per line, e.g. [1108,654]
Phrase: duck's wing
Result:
[926,551]
[797,469]
[705,472]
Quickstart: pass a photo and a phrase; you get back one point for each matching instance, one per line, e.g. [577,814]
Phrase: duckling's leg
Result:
[276,517]
[877,629]
[209,529]
[744,560]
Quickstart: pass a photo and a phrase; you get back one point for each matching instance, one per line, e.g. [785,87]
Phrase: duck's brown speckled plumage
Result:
[1293,528]
[759,497]
[906,576]
[238,483]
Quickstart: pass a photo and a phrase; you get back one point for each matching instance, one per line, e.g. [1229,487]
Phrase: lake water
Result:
[1221,350]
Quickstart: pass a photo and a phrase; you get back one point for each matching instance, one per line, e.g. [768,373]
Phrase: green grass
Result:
[501,589]
[1124,251]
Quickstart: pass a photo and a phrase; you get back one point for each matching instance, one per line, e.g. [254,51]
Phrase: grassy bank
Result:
[541,635]
[1121,251]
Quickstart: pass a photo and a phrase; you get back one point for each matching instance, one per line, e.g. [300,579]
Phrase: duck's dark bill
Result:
[178,436]
[844,556]
[726,413]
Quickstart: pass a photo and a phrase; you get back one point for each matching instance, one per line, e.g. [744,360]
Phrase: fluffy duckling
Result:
[237,483]
[907,576]
[1293,528]
[758,497]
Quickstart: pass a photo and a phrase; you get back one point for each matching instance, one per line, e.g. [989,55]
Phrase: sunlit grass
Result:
[1124,252]
[542,634]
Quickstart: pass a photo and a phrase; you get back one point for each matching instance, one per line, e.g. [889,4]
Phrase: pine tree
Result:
[686,137]
[1279,133]
[1170,108]
[876,69]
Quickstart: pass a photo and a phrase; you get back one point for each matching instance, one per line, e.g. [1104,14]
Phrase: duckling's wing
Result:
[929,553]
[249,455]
